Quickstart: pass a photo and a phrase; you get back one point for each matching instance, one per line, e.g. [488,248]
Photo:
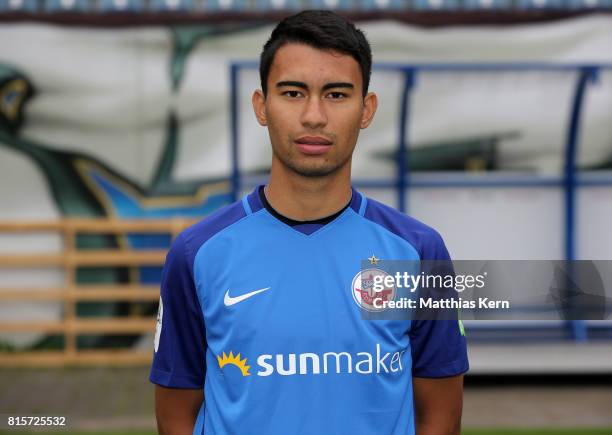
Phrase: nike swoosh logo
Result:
[229,301]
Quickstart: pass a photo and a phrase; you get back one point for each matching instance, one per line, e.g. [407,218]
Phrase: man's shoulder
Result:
[381,213]
[425,239]
[194,236]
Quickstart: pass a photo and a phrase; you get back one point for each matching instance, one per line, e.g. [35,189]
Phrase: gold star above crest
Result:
[373,260]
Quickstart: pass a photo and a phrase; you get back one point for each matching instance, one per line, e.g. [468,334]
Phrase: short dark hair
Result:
[324,30]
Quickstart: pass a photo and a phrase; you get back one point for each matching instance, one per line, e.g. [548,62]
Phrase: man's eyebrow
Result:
[292,83]
[326,86]
[337,85]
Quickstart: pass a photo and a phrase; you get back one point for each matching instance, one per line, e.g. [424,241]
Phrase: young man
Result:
[259,313]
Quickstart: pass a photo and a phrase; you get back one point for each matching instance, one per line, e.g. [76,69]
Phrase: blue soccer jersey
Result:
[267,318]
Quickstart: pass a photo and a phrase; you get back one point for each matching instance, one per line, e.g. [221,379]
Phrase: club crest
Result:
[364,292]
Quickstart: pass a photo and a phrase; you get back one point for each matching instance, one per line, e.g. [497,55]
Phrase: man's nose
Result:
[314,115]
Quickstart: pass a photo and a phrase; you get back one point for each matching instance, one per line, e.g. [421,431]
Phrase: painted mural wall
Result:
[135,123]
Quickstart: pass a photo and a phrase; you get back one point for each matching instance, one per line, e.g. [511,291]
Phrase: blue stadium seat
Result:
[588,4]
[121,5]
[225,5]
[171,5]
[383,4]
[18,5]
[487,4]
[270,5]
[330,4]
[432,5]
[67,5]
[539,4]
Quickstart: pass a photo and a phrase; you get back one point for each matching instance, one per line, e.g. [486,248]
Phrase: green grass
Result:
[464,432]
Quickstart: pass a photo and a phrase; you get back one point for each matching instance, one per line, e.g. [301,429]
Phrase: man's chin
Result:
[314,170]
[316,173]
[311,166]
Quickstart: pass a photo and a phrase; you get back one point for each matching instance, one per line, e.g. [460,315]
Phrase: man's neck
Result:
[308,198]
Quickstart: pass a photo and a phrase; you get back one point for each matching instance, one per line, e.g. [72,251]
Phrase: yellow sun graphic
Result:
[235,360]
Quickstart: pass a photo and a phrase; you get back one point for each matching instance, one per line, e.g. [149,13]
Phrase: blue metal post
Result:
[234,111]
[402,149]
[578,327]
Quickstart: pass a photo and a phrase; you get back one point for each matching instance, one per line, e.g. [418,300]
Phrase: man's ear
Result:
[259,107]
[370,104]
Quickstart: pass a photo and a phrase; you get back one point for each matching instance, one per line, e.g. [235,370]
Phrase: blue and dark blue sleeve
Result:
[439,348]
[180,340]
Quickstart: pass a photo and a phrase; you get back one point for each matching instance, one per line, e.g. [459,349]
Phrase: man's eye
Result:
[292,94]
[336,95]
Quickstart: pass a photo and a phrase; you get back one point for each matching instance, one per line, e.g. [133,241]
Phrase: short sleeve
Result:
[180,340]
[439,347]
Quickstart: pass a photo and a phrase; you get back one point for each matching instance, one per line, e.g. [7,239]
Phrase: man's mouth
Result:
[313,144]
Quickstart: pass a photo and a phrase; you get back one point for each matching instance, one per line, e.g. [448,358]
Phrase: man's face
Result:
[314,109]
